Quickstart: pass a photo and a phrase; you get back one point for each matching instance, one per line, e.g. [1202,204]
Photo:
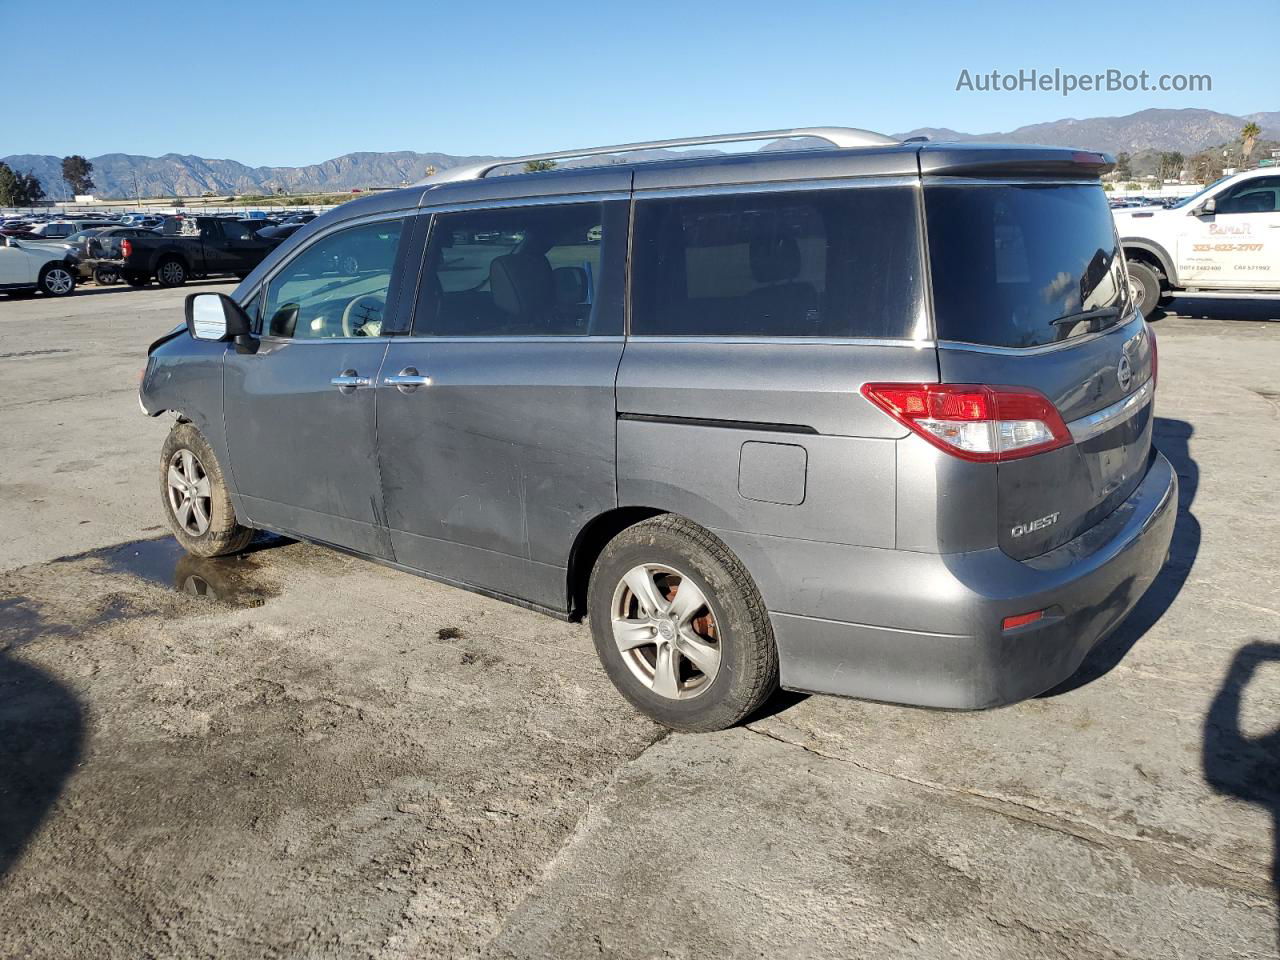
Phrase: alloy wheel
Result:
[58,281]
[190,492]
[666,631]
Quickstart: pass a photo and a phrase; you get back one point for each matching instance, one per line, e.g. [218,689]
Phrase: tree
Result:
[1248,140]
[1124,169]
[1206,166]
[538,166]
[18,189]
[1170,165]
[78,172]
[32,189]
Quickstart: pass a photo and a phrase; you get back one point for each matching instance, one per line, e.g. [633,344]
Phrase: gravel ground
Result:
[300,754]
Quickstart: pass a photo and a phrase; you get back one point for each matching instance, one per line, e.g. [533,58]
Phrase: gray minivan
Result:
[871,420]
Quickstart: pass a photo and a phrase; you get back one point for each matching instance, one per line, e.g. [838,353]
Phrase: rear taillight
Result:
[126,249]
[974,421]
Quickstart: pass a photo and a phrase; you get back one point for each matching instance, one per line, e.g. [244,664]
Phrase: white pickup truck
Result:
[1224,241]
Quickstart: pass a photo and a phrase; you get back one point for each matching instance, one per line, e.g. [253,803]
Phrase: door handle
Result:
[407,380]
[348,380]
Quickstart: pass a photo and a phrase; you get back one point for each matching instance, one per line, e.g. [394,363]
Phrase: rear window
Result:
[1007,261]
[818,263]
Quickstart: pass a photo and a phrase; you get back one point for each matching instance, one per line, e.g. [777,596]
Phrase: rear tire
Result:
[731,667]
[57,280]
[1145,286]
[106,276]
[196,501]
[171,273]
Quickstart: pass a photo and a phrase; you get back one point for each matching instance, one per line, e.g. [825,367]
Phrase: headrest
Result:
[774,259]
[522,284]
[571,285]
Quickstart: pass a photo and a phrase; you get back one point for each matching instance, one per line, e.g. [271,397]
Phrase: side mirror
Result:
[1208,208]
[218,318]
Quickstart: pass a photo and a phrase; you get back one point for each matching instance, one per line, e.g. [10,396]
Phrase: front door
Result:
[1238,245]
[300,411]
[496,419]
[14,265]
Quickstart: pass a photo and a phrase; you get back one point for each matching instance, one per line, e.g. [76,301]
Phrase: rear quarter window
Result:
[831,263]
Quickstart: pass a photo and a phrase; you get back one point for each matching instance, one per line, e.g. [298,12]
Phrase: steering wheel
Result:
[363,314]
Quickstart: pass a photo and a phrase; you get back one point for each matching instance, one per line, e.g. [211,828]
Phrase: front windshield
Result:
[1023,265]
[1195,196]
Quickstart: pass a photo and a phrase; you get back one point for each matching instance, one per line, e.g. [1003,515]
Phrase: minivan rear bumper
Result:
[926,629]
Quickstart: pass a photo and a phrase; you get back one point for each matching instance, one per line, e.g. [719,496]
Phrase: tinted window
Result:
[337,287]
[1252,196]
[1007,261]
[823,263]
[236,231]
[551,270]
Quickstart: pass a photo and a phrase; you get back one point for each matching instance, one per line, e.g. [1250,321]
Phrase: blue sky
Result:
[284,83]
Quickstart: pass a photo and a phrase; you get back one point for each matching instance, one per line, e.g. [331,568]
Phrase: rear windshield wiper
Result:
[1102,313]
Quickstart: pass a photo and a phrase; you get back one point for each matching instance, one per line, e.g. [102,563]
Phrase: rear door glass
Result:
[543,270]
[1008,261]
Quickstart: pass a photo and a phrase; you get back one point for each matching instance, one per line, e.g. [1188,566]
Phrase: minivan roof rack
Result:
[842,137]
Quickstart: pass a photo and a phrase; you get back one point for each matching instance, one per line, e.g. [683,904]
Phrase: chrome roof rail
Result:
[842,137]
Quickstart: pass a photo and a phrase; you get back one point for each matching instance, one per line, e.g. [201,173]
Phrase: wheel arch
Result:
[588,545]
[1148,251]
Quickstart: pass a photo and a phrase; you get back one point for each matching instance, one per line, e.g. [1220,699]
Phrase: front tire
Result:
[57,280]
[680,627]
[171,273]
[1144,286]
[196,502]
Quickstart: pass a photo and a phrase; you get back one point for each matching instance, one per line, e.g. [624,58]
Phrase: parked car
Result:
[872,421]
[280,232]
[31,268]
[88,250]
[256,225]
[57,229]
[207,246]
[1220,239]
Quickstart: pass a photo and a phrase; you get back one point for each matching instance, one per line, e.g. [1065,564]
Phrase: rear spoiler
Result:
[1010,159]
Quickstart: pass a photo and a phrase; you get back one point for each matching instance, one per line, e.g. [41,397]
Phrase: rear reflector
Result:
[1022,619]
[974,421]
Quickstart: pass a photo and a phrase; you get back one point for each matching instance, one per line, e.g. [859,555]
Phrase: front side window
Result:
[1252,196]
[337,286]
[819,263]
[547,270]
[1023,265]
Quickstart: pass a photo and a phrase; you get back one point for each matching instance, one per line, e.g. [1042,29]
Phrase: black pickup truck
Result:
[201,247]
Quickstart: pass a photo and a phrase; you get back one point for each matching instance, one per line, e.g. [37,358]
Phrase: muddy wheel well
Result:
[587,547]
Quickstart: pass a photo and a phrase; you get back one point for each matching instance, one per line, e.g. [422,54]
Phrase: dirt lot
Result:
[333,759]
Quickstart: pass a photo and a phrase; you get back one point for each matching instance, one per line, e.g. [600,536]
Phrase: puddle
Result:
[234,581]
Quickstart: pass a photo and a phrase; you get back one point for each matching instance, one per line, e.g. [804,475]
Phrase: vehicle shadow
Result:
[92,289]
[41,736]
[1173,439]
[1217,309]
[1240,766]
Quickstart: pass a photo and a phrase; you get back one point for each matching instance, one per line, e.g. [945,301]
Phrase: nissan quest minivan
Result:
[871,420]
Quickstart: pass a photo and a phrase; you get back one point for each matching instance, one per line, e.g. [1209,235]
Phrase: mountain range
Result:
[125,175]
